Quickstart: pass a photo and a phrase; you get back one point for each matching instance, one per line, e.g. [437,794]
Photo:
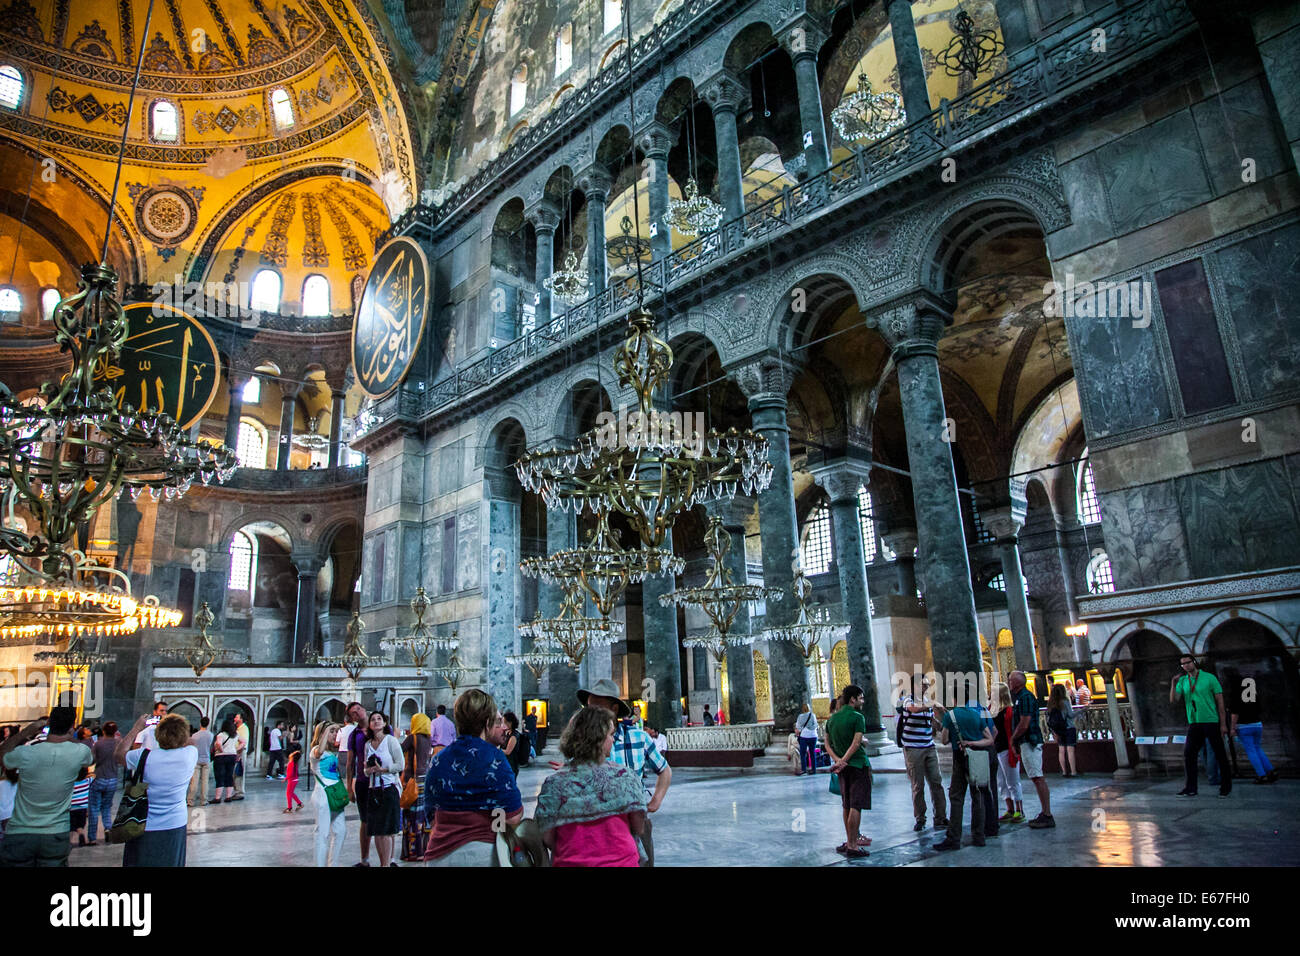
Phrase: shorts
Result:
[1031,755]
[76,819]
[1071,737]
[382,805]
[855,788]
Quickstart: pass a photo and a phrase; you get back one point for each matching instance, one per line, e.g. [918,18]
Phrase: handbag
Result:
[336,793]
[133,811]
[410,790]
[835,783]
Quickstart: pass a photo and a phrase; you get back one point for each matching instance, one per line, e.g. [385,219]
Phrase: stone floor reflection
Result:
[728,818]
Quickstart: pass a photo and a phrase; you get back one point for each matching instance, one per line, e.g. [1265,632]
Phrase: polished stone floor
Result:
[725,818]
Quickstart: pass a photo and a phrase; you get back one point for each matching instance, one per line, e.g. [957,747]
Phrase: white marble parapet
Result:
[726,737]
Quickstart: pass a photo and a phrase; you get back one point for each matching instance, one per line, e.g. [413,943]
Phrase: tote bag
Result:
[133,811]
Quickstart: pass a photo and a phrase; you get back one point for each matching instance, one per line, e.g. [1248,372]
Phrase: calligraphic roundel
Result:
[390,317]
[168,363]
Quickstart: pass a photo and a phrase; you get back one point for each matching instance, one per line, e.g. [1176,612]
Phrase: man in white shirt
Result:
[276,750]
[146,738]
[241,768]
[805,725]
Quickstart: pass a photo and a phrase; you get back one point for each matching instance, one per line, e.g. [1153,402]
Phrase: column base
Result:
[1123,773]
[879,744]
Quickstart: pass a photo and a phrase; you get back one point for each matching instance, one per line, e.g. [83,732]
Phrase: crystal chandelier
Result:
[569,283]
[808,631]
[76,657]
[353,660]
[867,115]
[647,467]
[570,633]
[422,643]
[719,597]
[201,653]
[312,440]
[537,658]
[629,247]
[968,51]
[694,214]
[452,672]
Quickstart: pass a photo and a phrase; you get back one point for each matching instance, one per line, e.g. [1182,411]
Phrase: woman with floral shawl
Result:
[591,812]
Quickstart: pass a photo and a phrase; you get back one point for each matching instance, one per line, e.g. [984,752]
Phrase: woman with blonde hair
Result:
[167,770]
[331,823]
[591,813]
[1004,723]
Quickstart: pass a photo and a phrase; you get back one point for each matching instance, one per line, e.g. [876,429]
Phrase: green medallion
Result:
[390,317]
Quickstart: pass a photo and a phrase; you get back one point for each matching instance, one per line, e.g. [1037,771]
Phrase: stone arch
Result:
[257,516]
[785,328]
[297,702]
[489,430]
[560,407]
[750,36]
[243,702]
[1110,652]
[1212,624]
[329,717]
[174,706]
[1043,439]
[504,443]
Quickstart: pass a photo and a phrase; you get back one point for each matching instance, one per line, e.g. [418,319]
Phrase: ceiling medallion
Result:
[867,115]
[166,214]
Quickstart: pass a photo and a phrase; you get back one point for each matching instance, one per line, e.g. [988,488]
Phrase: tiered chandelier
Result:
[969,51]
[807,632]
[312,439]
[649,471]
[538,657]
[693,214]
[201,653]
[353,660]
[867,115]
[422,643]
[569,283]
[453,672]
[76,657]
[719,597]
[567,637]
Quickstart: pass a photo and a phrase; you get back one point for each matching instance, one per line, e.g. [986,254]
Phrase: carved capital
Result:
[595,182]
[902,541]
[723,92]
[237,377]
[767,377]
[655,140]
[308,565]
[544,215]
[913,323]
[1002,522]
[803,37]
[843,477]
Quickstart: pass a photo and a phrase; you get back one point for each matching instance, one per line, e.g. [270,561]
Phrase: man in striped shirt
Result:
[919,722]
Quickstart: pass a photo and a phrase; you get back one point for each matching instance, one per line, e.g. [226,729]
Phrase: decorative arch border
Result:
[773,300]
[1235,612]
[1128,629]
[193,703]
[510,411]
[219,703]
[272,700]
[255,516]
[562,388]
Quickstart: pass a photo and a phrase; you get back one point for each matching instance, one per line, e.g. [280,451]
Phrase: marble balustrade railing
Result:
[1096,721]
[726,737]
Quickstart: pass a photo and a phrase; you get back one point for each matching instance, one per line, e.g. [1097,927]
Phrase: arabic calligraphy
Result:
[391,316]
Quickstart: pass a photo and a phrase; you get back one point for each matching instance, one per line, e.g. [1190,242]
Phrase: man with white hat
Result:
[633,749]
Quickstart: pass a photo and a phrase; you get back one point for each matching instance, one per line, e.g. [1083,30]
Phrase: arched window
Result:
[519,89]
[250,449]
[281,109]
[163,126]
[265,296]
[817,673]
[564,49]
[613,15]
[243,562]
[316,296]
[11,304]
[49,299]
[817,542]
[1089,505]
[252,393]
[999,583]
[1101,576]
[868,525]
[11,86]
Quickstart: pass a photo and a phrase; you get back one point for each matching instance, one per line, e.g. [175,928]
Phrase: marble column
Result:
[913,327]
[1124,768]
[595,183]
[235,382]
[502,584]
[741,707]
[907,52]
[304,628]
[1067,579]
[842,479]
[1015,26]
[1004,523]
[545,217]
[766,383]
[803,40]
[561,679]
[663,661]
[288,404]
[725,94]
[654,142]
[336,425]
[902,541]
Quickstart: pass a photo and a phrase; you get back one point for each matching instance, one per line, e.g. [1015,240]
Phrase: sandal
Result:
[864,841]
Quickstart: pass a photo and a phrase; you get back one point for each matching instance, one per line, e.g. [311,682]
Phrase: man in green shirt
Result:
[1206,720]
[37,833]
[1027,738]
[844,732]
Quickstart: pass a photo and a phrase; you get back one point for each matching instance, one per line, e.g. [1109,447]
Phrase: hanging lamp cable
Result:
[126,128]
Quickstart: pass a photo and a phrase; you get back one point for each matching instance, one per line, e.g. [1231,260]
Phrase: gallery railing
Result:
[1052,67]
[726,737]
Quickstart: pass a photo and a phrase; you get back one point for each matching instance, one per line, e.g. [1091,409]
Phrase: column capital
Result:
[902,541]
[290,389]
[765,380]
[734,512]
[912,324]
[803,36]
[308,565]
[544,215]
[237,377]
[724,92]
[1004,522]
[655,139]
[842,478]
[503,484]
[595,182]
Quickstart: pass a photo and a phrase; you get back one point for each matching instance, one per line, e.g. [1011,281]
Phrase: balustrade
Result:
[725,737]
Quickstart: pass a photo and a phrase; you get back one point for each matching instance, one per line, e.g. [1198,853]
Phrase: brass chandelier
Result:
[693,214]
[567,637]
[201,653]
[653,471]
[353,660]
[422,643]
[452,672]
[719,597]
[569,283]
[867,115]
[808,631]
[538,657]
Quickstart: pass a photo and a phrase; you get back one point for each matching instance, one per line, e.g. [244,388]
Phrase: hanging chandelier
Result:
[353,660]
[719,597]
[710,641]
[201,653]
[537,658]
[76,657]
[808,630]
[693,214]
[422,643]
[646,466]
[628,248]
[867,115]
[969,52]
[452,672]
[569,283]
[312,440]
[570,633]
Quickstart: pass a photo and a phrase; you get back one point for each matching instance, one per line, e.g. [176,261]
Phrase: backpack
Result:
[1056,722]
[133,811]
[522,747]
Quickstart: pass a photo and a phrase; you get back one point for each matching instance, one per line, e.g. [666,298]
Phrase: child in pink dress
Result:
[291,782]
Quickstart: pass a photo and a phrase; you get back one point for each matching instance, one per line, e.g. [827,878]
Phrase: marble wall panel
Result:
[1154,173]
[432,576]
[1238,125]
[412,558]
[1240,519]
[1119,375]
[468,564]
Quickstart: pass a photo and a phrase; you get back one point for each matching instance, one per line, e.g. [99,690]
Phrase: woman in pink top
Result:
[591,812]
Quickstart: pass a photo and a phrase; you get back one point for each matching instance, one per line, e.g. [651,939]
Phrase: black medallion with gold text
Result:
[169,363]
[390,317]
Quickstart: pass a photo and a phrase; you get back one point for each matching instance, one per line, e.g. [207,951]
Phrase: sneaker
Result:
[362,863]
[268,776]
[1187,793]
[1224,796]
[1007,817]
[920,825]
[1044,821]
[1017,817]
[841,848]
[280,777]
[948,844]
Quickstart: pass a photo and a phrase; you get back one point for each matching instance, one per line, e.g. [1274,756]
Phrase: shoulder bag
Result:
[133,811]
[410,790]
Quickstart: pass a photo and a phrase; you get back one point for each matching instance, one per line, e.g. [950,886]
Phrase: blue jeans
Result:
[807,754]
[1211,764]
[100,805]
[1250,736]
